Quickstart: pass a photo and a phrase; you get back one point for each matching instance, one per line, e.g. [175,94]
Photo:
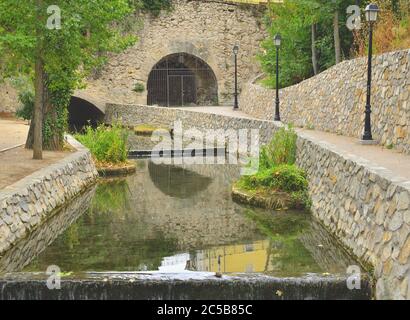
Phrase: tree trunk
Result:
[314,51]
[37,122]
[55,142]
[336,33]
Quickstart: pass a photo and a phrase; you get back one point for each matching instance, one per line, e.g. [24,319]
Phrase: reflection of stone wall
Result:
[205,29]
[329,256]
[206,218]
[30,201]
[29,248]
[334,100]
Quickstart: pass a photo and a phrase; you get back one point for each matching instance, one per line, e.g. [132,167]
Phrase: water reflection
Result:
[38,240]
[176,182]
[191,224]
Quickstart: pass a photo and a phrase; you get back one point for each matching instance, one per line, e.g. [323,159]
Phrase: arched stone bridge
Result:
[182,57]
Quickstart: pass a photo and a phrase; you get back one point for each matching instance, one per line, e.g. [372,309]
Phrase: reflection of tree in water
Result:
[108,237]
[177,182]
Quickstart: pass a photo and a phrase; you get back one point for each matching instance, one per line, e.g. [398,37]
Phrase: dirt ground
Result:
[12,132]
[18,163]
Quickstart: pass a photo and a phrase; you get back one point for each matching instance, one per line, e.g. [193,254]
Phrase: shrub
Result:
[138,87]
[107,144]
[281,149]
[26,99]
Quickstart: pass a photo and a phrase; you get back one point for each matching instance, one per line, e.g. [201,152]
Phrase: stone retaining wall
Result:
[334,101]
[26,250]
[30,201]
[132,115]
[364,206]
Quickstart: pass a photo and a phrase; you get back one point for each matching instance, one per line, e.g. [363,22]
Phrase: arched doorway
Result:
[182,79]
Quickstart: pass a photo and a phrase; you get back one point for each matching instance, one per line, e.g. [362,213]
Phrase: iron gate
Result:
[174,80]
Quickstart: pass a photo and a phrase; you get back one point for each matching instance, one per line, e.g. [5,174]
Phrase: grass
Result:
[255,1]
[277,170]
[280,150]
[282,177]
[108,145]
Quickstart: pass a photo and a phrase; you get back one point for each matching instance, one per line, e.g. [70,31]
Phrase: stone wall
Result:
[132,115]
[8,98]
[334,101]
[205,29]
[367,208]
[29,248]
[32,200]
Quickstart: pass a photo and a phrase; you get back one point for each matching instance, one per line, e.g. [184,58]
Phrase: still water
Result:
[174,218]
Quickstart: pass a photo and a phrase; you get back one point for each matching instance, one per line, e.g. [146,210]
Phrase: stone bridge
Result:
[182,57]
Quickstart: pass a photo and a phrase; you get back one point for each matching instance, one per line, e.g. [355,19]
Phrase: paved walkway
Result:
[17,163]
[397,163]
[224,111]
[12,133]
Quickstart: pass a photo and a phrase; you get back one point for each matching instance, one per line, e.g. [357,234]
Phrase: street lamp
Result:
[371,16]
[235,52]
[277,41]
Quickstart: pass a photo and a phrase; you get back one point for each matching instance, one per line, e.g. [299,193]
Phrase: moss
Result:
[147,129]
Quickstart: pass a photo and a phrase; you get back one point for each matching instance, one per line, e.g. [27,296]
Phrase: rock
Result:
[403,201]
[405,252]
[396,221]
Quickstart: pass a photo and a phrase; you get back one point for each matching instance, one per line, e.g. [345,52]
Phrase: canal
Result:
[176,218]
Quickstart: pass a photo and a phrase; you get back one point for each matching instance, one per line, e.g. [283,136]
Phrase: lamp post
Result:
[277,41]
[371,17]
[235,52]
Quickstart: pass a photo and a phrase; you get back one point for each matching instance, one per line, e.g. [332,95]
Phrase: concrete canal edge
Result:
[29,202]
[366,207]
[190,285]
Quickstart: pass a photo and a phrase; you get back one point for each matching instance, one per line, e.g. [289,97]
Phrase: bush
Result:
[107,144]
[281,149]
[138,87]
[26,99]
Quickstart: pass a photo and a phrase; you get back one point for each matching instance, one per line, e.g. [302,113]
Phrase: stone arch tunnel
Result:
[203,34]
[83,111]
[182,79]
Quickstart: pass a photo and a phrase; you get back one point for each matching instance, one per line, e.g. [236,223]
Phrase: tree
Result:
[58,58]
[313,38]
[336,36]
